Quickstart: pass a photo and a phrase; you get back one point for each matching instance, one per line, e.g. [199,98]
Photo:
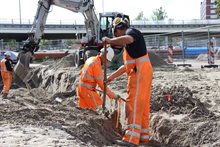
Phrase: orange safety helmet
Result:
[120,23]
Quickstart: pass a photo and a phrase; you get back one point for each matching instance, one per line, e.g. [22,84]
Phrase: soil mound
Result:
[156,61]
[177,100]
[202,57]
[179,119]
[37,108]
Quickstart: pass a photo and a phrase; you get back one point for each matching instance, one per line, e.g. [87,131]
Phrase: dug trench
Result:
[49,115]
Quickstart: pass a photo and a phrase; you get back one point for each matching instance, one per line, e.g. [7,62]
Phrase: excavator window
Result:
[106,27]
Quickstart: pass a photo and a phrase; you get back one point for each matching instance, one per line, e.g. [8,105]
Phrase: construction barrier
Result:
[177,53]
[211,56]
[211,53]
[170,54]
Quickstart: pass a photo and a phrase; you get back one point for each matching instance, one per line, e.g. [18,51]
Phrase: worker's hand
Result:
[106,39]
[109,79]
[117,97]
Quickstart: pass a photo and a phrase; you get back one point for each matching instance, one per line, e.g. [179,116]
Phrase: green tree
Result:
[217,3]
[13,45]
[44,44]
[159,14]
[141,16]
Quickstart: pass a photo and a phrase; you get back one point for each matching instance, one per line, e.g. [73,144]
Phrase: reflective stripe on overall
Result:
[91,75]
[139,73]
[6,77]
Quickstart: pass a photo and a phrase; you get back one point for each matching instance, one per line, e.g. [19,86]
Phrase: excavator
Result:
[90,44]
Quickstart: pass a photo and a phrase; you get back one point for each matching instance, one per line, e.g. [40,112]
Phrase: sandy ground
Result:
[49,115]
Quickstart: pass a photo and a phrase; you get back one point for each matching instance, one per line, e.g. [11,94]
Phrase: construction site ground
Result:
[185,109]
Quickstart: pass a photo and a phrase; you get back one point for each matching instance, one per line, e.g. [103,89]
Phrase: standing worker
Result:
[6,73]
[139,71]
[91,75]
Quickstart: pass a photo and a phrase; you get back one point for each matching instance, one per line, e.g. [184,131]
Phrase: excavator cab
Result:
[104,30]
[106,20]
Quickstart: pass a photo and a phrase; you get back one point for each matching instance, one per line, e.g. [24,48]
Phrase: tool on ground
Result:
[105,77]
[118,113]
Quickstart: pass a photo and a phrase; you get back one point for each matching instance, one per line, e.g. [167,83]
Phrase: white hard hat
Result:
[7,53]
[110,53]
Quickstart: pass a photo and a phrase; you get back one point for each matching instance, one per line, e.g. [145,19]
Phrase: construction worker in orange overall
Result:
[6,73]
[90,76]
[138,68]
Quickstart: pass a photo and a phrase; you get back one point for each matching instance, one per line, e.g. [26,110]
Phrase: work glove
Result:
[117,97]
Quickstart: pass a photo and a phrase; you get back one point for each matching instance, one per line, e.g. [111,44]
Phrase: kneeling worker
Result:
[90,75]
[6,73]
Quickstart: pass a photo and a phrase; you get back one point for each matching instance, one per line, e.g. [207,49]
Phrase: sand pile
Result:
[35,108]
[182,120]
[156,61]
[202,57]
[177,100]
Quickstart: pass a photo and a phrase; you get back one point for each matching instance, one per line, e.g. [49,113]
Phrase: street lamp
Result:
[103,6]
[20,10]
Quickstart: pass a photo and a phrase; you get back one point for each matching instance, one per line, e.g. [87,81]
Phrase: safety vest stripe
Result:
[99,77]
[86,85]
[134,61]
[86,70]
[134,126]
[90,77]
[3,66]
[144,130]
[132,133]
[108,92]
[130,62]
[143,59]
[135,99]
[93,97]
[144,137]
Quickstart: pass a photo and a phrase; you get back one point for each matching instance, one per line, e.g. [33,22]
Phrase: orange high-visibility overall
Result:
[91,75]
[6,77]
[140,74]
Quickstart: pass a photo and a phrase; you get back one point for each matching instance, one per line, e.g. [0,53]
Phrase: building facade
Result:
[208,10]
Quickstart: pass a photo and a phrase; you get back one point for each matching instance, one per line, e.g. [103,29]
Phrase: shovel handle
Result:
[118,114]
[105,77]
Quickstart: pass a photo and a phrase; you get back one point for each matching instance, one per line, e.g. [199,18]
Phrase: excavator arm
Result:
[86,7]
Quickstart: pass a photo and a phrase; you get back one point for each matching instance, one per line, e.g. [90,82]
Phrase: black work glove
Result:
[117,97]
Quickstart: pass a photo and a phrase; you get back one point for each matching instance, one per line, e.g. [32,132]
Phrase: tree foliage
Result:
[159,14]
[141,16]
[217,3]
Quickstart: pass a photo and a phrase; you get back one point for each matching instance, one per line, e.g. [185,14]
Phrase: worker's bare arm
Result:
[121,41]
[116,74]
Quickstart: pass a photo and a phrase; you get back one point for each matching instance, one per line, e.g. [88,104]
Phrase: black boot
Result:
[124,143]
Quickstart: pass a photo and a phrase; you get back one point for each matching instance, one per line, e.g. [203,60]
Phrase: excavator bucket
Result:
[22,70]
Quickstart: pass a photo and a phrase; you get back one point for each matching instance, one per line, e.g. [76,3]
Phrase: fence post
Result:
[211,53]
[170,54]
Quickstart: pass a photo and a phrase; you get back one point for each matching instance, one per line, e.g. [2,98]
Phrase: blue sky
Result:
[176,9]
